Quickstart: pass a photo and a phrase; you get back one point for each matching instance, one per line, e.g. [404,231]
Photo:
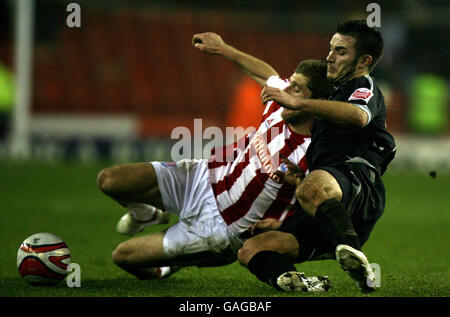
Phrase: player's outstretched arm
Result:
[212,43]
[337,111]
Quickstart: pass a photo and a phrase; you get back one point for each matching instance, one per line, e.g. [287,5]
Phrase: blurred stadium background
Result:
[116,87]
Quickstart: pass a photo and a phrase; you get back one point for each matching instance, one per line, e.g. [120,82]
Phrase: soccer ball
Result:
[42,259]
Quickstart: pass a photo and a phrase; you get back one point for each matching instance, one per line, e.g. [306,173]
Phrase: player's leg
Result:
[135,182]
[320,195]
[281,242]
[134,186]
[143,256]
[200,235]
[270,256]
[325,195]
[158,255]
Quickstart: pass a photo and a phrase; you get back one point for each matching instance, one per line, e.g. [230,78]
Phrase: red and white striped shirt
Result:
[242,174]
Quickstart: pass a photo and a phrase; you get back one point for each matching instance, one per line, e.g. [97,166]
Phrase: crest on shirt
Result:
[361,94]
[268,122]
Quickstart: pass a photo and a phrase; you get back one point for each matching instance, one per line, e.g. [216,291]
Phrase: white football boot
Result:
[355,263]
[297,281]
[132,222]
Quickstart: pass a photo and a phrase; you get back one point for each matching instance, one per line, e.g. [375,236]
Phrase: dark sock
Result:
[335,224]
[269,265]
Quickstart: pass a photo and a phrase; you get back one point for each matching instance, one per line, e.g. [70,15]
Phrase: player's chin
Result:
[292,116]
[331,75]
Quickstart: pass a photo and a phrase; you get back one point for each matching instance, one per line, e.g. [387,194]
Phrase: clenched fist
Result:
[209,42]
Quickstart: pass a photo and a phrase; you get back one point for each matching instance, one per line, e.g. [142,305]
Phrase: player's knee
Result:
[103,178]
[311,195]
[244,256]
[308,195]
[121,255]
[107,181]
[246,252]
[263,241]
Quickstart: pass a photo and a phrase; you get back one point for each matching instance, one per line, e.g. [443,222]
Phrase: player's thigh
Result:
[281,242]
[142,251]
[136,182]
[317,187]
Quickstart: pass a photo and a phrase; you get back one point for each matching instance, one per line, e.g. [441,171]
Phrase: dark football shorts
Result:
[363,196]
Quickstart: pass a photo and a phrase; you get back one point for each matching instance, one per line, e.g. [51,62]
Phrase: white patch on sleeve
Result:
[361,94]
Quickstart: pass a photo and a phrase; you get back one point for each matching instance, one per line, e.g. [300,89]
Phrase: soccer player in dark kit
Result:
[343,196]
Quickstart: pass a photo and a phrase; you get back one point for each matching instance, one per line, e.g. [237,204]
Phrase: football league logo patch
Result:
[361,94]
[168,164]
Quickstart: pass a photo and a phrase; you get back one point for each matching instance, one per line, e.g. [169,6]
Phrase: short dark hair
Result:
[368,40]
[316,73]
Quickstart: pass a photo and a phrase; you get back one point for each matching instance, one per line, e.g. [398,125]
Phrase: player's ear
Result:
[364,61]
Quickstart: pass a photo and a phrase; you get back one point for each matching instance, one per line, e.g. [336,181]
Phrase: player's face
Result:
[298,86]
[341,59]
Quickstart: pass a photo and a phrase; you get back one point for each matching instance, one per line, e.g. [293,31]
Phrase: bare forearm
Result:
[337,111]
[259,70]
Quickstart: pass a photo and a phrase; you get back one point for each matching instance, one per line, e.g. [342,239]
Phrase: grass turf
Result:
[410,242]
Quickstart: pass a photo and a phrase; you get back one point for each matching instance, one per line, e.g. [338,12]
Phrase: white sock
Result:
[144,212]
[160,272]
[165,270]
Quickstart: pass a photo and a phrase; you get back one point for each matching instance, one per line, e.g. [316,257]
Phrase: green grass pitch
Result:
[410,242]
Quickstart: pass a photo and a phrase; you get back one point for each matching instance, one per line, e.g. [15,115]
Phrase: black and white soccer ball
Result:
[42,259]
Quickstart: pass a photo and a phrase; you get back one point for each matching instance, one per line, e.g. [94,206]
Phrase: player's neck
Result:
[350,76]
[303,128]
[361,73]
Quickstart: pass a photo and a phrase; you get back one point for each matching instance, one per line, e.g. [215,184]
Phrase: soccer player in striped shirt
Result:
[218,200]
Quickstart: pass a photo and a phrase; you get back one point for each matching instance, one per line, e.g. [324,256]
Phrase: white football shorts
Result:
[186,190]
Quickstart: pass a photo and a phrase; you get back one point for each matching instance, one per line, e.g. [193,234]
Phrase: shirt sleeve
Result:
[360,93]
[277,82]
[360,98]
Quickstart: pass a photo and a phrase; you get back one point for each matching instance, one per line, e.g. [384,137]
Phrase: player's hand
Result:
[281,97]
[265,225]
[208,42]
[294,174]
